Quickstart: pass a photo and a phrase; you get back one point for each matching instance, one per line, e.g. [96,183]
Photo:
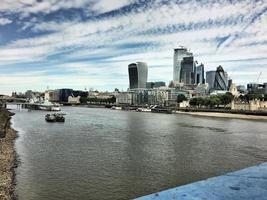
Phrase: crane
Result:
[259,77]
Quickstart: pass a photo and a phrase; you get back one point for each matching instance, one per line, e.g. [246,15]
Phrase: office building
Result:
[199,75]
[217,80]
[256,88]
[179,54]
[221,79]
[210,78]
[187,75]
[137,75]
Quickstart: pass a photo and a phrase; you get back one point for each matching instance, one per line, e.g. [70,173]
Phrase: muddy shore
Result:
[8,158]
[224,115]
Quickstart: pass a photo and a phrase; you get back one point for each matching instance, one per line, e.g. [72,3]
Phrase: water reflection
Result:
[105,154]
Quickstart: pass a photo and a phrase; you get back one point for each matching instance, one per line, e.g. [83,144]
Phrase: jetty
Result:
[249,183]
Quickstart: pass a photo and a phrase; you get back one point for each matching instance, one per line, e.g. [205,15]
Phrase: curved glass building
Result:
[221,79]
[178,57]
[137,75]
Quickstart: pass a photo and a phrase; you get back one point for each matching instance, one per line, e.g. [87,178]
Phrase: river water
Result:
[107,154]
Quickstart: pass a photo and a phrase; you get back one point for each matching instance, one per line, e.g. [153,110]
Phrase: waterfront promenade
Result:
[249,183]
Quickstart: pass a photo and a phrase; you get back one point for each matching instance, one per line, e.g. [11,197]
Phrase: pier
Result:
[248,183]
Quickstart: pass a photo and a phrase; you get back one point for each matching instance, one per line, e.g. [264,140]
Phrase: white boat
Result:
[143,110]
[116,108]
[48,106]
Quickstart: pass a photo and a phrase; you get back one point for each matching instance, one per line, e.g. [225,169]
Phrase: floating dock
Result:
[249,183]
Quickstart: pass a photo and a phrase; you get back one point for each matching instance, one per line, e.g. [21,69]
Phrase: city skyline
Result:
[90,43]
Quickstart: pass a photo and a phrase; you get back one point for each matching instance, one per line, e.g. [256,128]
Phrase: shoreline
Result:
[8,157]
[224,115]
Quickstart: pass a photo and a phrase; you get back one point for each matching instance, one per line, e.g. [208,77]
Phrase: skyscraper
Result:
[199,74]
[137,75]
[217,80]
[179,54]
[187,75]
[210,78]
[221,79]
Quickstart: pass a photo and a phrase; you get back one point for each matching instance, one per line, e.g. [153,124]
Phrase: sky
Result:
[89,43]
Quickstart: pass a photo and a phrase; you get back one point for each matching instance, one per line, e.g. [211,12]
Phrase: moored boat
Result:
[143,110]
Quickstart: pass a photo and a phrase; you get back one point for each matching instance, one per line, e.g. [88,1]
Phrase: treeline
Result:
[225,99]
[212,101]
[251,96]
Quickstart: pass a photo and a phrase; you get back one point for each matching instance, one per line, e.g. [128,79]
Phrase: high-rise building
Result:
[179,54]
[187,75]
[217,80]
[210,78]
[199,74]
[138,75]
[221,79]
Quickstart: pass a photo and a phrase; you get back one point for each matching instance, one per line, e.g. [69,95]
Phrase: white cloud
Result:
[102,6]
[4,21]
[200,29]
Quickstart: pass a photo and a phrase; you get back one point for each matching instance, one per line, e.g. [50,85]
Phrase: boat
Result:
[161,110]
[143,110]
[48,106]
[116,108]
[55,117]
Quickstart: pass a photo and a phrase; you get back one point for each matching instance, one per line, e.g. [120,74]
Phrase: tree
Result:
[226,98]
[215,101]
[193,102]
[83,100]
[181,98]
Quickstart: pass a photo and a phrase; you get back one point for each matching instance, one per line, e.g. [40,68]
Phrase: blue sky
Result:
[89,43]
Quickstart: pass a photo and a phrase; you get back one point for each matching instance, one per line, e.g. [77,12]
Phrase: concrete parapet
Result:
[248,183]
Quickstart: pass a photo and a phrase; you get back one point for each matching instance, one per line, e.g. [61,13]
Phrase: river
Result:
[108,154]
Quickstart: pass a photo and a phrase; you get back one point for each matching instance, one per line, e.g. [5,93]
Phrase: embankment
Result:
[8,160]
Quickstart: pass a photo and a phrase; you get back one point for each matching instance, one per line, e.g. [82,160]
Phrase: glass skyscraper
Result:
[137,75]
[199,74]
[217,80]
[179,54]
[187,75]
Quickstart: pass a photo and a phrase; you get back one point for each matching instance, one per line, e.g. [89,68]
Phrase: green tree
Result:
[193,102]
[181,98]
[226,98]
[83,100]
[215,101]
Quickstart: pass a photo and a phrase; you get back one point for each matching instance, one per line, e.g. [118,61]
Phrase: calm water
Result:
[105,154]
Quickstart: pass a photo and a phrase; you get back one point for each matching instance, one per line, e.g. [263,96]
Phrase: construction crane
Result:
[259,77]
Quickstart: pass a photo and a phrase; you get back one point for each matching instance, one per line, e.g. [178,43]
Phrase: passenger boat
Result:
[55,117]
[48,106]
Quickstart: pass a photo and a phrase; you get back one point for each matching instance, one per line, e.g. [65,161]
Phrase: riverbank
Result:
[224,115]
[8,160]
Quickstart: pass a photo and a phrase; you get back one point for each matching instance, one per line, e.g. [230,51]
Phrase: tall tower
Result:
[199,74]
[137,75]
[179,54]
[210,78]
[221,79]
[217,80]
[187,74]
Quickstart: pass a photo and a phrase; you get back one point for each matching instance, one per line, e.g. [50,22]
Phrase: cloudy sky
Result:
[89,43]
